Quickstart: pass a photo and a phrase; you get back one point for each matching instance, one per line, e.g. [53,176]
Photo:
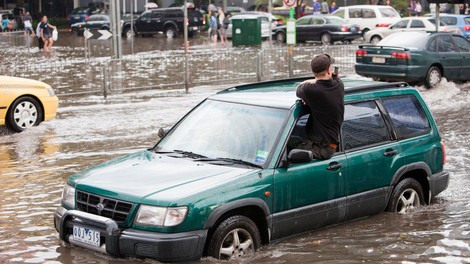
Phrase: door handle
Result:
[334,166]
[390,152]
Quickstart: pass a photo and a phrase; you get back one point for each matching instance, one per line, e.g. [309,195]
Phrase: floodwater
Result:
[90,130]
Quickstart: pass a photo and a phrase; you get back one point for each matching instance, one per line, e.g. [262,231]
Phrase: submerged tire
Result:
[234,238]
[326,39]
[433,77]
[406,196]
[281,37]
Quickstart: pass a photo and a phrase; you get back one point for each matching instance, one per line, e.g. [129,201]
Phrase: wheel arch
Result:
[169,24]
[26,95]
[253,208]
[419,171]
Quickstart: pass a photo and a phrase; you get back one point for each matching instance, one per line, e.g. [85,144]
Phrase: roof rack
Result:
[375,86]
[263,83]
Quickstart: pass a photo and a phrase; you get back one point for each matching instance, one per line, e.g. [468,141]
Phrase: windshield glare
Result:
[227,130]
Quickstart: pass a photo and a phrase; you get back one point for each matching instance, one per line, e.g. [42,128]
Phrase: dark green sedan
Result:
[416,57]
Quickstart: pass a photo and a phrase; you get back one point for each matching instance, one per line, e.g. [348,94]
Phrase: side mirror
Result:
[162,132]
[300,156]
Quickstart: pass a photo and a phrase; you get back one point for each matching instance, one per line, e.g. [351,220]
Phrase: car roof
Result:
[366,6]
[282,93]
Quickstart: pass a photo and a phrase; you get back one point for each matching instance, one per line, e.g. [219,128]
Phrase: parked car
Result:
[98,21]
[232,10]
[368,16]
[25,103]
[416,57]
[265,30]
[266,16]
[81,14]
[324,28]
[170,21]
[407,24]
[460,21]
[227,178]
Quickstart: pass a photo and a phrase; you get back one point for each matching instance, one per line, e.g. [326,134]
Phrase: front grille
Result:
[103,206]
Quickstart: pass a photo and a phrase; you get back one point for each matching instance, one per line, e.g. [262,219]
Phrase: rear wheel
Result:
[24,113]
[234,238]
[326,38]
[170,32]
[281,37]
[433,77]
[406,196]
[128,33]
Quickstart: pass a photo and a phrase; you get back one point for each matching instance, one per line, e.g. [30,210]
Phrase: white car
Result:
[264,24]
[368,17]
[407,24]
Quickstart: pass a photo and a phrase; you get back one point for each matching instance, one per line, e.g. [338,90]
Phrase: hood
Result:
[148,176]
[8,81]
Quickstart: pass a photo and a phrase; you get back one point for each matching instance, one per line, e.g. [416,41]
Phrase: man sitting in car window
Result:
[324,95]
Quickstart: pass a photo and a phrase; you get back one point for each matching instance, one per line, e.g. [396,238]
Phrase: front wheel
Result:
[281,37]
[375,39]
[170,32]
[128,33]
[433,78]
[326,39]
[234,238]
[24,113]
[406,196]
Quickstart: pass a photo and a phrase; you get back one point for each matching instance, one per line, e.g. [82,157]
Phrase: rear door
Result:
[464,46]
[449,56]
[303,26]
[373,154]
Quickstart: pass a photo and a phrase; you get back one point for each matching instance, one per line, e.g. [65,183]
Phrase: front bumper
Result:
[439,182]
[118,242]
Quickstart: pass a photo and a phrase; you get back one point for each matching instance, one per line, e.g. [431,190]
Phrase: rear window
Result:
[449,20]
[466,20]
[408,117]
[407,40]
[363,125]
[388,12]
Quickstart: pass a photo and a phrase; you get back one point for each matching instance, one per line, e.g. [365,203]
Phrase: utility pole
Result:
[115,16]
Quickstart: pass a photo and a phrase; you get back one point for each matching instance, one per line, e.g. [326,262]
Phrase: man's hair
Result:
[321,63]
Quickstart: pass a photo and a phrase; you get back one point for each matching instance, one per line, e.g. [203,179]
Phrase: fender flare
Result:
[410,167]
[224,208]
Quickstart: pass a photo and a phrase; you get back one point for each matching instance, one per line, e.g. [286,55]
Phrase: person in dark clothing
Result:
[324,96]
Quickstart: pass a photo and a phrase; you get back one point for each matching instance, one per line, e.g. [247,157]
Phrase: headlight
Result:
[50,91]
[160,216]
[68,196]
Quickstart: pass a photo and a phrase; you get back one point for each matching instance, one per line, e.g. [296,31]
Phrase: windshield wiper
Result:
[234,161]
[189,154]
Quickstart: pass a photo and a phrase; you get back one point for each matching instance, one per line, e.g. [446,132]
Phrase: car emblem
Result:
[378,52]
[100,207]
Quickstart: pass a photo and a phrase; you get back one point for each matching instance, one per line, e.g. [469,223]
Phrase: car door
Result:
[308,195]
[302,28]
[143,23]
[373,155]
[464,47]
[449,57]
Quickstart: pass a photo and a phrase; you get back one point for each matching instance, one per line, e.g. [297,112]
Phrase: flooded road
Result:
[90,130]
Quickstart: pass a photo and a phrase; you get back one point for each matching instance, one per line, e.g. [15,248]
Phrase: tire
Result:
[364,31]
[128,33]
[407,195]
[326,38]
[170,32]
[235,237]
[375,39]
[433,77]
[281,37]
[24,113]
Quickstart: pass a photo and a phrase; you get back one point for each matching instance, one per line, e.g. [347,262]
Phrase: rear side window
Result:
[417,24]
[363,125]
[446,44]
[462,43]
[339,12]
[389,12]
[408,116]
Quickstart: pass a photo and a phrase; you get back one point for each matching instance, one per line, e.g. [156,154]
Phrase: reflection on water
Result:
[90,130]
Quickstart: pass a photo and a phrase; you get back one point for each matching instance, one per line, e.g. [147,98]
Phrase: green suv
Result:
[227,177]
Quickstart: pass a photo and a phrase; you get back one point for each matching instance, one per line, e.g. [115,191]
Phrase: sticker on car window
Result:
[261,156]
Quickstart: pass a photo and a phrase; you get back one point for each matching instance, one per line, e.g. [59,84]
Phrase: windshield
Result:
[227,130]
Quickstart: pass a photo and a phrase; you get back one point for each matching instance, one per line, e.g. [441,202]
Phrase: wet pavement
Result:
[89,130]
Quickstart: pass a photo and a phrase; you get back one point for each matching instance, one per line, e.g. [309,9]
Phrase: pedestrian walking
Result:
[316,7]
[418,8]
[46,33]
[6,23]
[324,7]
[222,23]
[38,35]
[333,7]
[213,27]
[28,24]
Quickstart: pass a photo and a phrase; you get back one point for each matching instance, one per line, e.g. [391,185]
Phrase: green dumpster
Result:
[246,30]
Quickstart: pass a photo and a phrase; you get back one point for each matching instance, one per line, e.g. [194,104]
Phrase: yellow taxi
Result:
[25,103]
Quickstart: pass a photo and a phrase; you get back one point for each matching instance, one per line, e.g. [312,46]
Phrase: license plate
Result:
[378,60]
[86,235]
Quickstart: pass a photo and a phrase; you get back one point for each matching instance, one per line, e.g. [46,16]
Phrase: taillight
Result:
[187,21]
[86,17]
[279,22]
[345,29]
[203,20]
[382,25]
[68,17]
[401,55]
[466,28]
[361,53]
[444,154]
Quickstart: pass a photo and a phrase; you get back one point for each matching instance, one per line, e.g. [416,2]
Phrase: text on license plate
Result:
[86,235]
[378,60]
